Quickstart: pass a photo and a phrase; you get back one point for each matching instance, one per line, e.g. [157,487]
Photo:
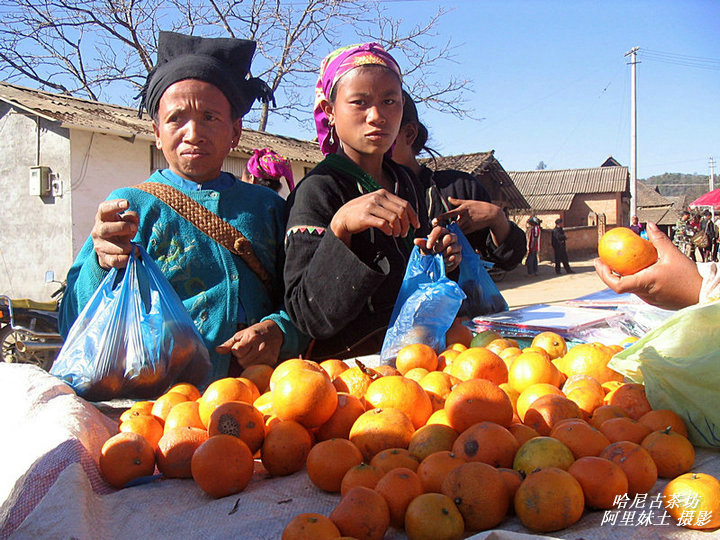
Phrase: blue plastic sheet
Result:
[133,339]
[482,295]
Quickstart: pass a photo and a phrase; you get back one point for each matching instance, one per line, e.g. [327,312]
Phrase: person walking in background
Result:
[266,167]
[708,227]
[717,239]
[533,236]
[635,226]
[558,245]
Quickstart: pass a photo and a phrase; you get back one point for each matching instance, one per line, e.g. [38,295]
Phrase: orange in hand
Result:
[625,252]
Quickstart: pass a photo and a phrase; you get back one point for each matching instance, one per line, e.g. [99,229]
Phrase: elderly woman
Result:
[196,96]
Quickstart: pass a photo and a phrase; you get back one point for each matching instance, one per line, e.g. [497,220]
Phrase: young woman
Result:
[485,225]
[353,219]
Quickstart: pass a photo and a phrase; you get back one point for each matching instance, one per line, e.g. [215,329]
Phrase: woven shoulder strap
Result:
[211,224]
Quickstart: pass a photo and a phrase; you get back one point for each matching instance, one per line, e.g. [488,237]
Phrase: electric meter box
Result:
[40,180]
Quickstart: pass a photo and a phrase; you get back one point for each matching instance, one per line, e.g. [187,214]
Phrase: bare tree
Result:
[103,49]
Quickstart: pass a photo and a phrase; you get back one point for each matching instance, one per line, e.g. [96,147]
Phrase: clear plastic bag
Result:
[482,295]
[680,366]
[133,339]
[426,306]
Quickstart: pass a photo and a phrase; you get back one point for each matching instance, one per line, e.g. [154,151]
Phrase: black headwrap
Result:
[223,62]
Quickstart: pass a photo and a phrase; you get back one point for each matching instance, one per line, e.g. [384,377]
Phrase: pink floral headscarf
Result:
[335,65]
[270,165]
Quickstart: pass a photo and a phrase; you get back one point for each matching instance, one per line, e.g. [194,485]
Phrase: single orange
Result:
[637,464]
[479,363]
[222,391]
[439,417]
[285,448]
[625,252]
[124,457]
[533,392]
[416,355]
[362,514]
[477,400]
[605,412]
[184,414]
[190,390]
[306,396]
[530,368]
[163,404]
[487,442]
[631,397]
[434,516]
[431,438]
[403,394]
[602,481]
[147,426]
[522,433]
[438,384]
[549,500]
[663,418]
[588,359]
[223,465]
[551,342]
[338,426]
[458,333]
[310,526]
[480,494]
[541,453]
[624,429]
[434,468]
[416,374]
[399,487]
[580,437]
[673,453]
[394,458]
[362,474]
[175,450]
[548,410]
[695,496]
[334,367]
[241,420]
[259,374]
[328,461]
[378,429]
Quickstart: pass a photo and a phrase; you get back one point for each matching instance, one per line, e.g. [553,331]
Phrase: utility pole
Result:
[633,131]
[712,173]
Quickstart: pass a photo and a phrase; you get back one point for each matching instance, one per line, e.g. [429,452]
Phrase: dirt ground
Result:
[519,289]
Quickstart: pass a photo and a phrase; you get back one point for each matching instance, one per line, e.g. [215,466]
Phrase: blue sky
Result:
[551,81]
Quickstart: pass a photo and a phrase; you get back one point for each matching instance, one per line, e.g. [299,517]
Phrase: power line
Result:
[699,62]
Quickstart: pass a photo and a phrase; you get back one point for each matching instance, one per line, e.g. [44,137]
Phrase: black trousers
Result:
[561,257]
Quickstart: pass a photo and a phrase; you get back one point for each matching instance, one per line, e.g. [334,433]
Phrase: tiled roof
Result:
[659,215]
[647,197]
[571,181]
[557,202]
[488,171]
[72,112]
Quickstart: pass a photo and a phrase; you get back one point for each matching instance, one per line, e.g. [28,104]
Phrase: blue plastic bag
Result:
[482,295]
[133,339]
[425,308]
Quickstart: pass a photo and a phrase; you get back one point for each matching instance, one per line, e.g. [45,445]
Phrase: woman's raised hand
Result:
[380,209]
[114,228]
[441,240]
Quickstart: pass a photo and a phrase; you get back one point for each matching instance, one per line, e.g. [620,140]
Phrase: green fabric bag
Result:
[679,363]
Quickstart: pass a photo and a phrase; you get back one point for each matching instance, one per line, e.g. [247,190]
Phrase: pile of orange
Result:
[440,445]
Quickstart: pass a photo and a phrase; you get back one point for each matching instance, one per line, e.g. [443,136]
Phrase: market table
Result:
[52,488]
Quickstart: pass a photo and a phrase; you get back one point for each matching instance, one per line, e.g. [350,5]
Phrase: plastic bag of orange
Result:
[678,363]
[134,338]
[425,308]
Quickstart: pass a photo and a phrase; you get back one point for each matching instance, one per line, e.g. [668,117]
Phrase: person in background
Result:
[708,227]
[717,239]
[485,225]
[635,226]
[559,248]
[534,235]
[197,95]
[266,168]
[354,219]
[673,282]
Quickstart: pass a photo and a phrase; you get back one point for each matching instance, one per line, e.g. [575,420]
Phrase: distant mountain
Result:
[673,184]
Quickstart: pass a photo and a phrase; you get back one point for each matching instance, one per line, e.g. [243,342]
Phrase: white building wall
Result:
[100,164]
[35,229]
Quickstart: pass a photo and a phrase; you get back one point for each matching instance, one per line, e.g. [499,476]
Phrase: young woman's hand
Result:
[475,215]
[380,209]
[114,228]
[673,282]
[440,240]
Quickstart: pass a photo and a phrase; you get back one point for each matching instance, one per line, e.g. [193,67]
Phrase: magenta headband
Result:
[270,165]
[335,65]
